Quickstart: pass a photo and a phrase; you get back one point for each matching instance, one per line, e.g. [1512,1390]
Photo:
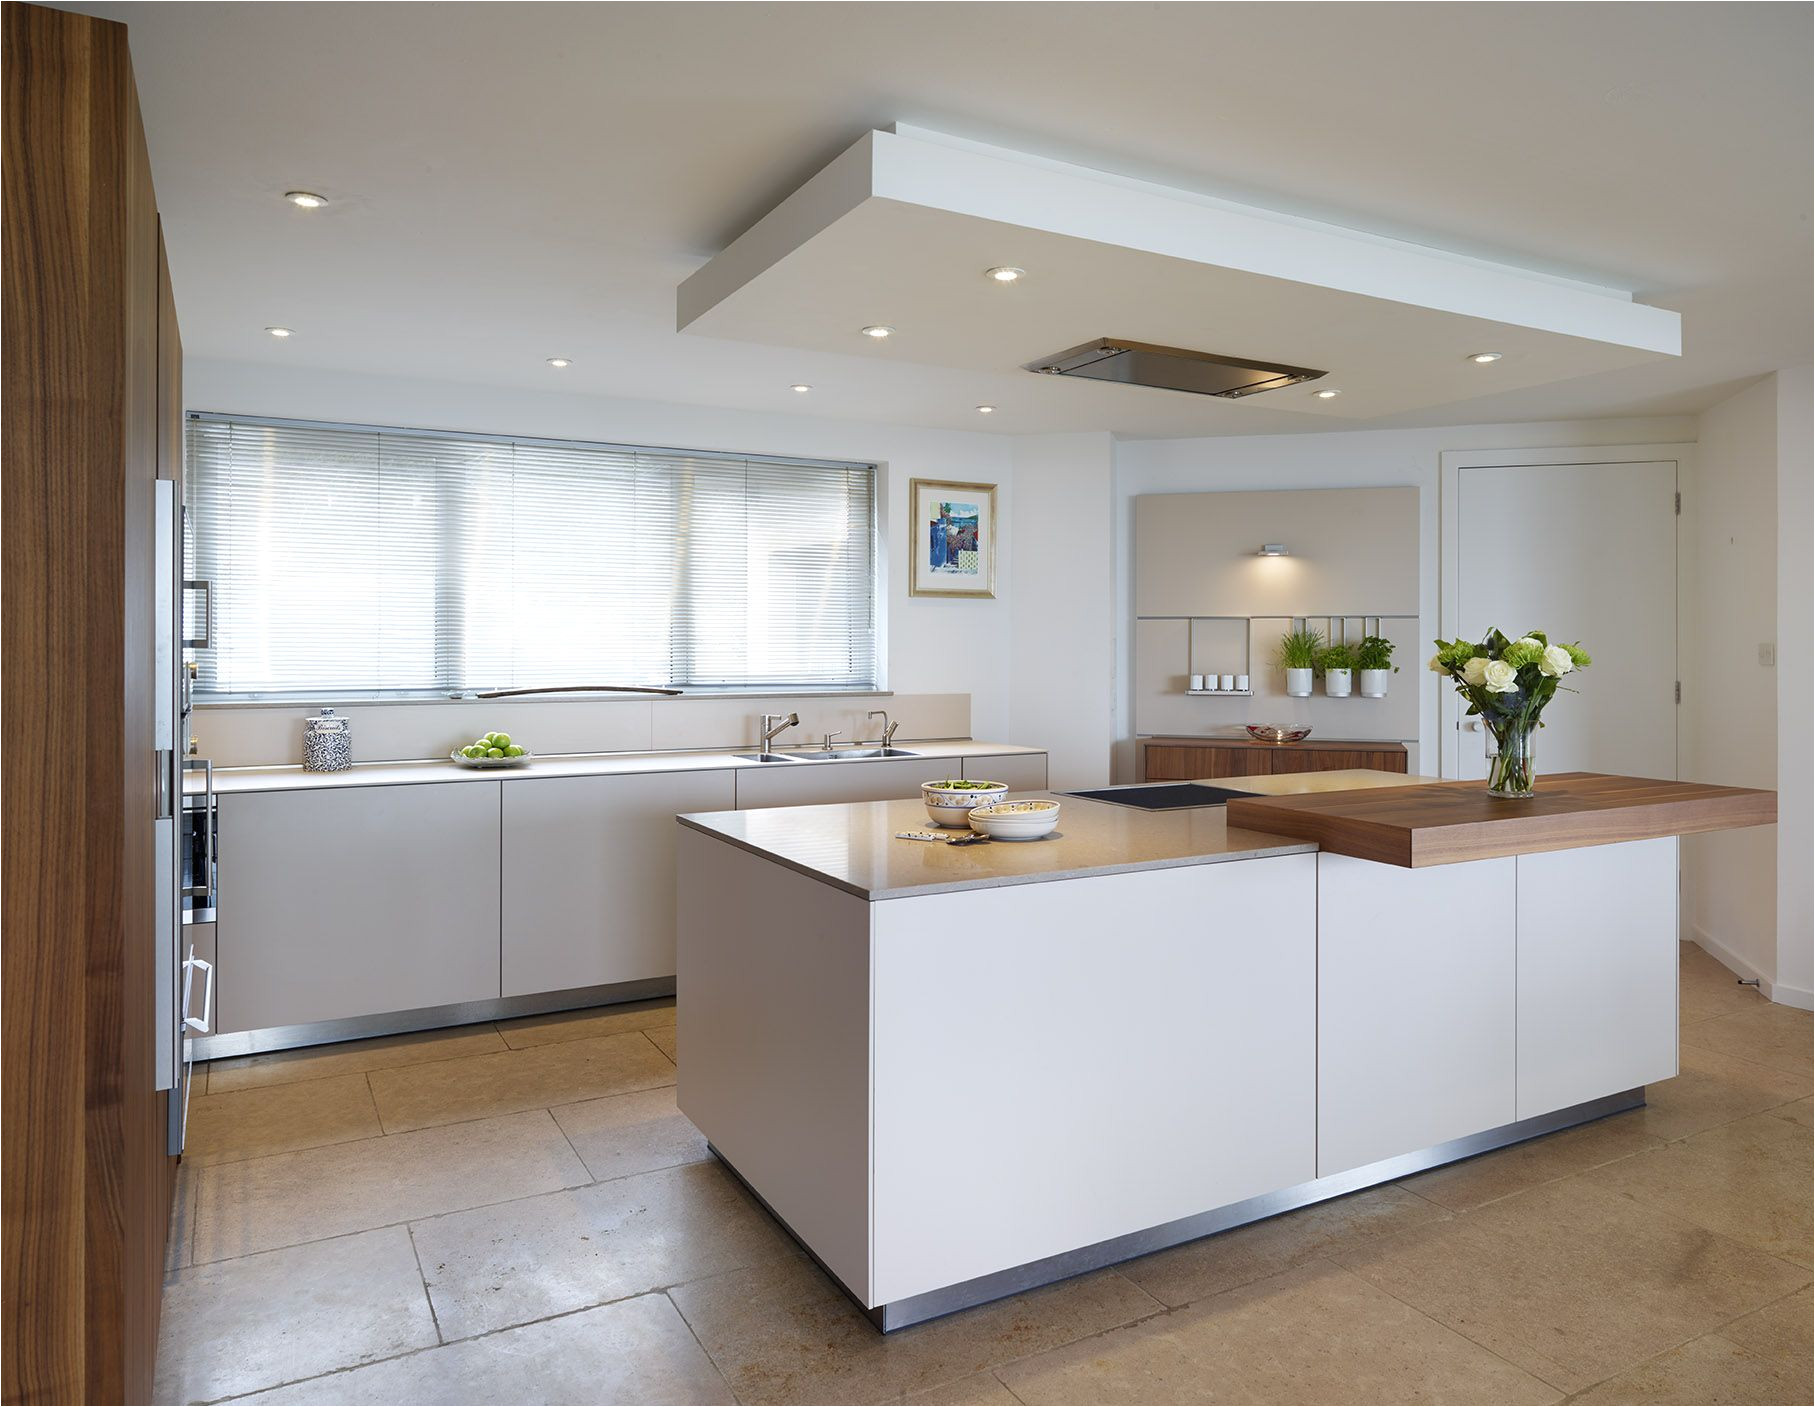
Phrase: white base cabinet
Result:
[339,903]
[589,876]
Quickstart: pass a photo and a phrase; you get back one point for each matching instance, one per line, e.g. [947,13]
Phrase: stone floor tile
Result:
[1800,1111]
[1572,1282]
[246,1324]
[1208,1266]
[627,1134]
[179,1238]
[634,1351]
[1748,1180]
[1778,1036]
[1312,1334]
[1706,988]
[783,1332]
[667,1040]
[481,1086]
[1715,1089]
[1710,1370]
[348,1057]
[1491,1176]
[527,1031]
[977,1390]
[287,1198]
[498,1266]
[250,1123]
[1783,1330]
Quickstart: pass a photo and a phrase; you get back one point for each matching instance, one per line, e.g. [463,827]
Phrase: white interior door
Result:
[1586,551]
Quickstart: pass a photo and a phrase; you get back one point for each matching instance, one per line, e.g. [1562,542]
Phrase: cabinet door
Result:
[1597,972]
[1415,1020]
[589,876]
[1172,762]
[1019,771]
[354,901]
[815,783]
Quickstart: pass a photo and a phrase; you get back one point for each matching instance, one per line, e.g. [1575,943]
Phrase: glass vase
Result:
[1511,760]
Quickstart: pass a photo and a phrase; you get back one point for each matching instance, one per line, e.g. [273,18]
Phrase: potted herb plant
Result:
[1298,651]
[1338,665]
[1374,658]
[1508,683]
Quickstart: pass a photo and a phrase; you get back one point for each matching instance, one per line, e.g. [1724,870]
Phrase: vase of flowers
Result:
[1508,683]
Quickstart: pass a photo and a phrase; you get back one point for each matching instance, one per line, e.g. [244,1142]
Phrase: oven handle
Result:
[205,641]
[206,766]
[198,1023]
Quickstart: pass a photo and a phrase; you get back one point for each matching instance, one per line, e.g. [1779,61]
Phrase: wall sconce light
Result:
[1273,549]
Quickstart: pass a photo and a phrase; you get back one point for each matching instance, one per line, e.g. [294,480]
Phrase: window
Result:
[349,559]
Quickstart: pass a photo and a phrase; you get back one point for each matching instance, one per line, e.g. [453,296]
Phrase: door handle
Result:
[206,1019]
[205,640]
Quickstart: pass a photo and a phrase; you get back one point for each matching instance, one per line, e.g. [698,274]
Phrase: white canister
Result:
[1197,683]
[327,743]
[1337,682]
[1226,682]
[1373,683]
[1298,683]
[1241,683]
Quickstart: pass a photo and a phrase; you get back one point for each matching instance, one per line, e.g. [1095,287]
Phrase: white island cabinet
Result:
[589,876]
[348,903]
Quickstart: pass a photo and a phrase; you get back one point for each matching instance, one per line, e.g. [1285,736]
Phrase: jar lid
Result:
[327,722]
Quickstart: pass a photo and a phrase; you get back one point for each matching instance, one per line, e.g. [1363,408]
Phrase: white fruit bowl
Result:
[948,804]
[460,759]
[1015,820]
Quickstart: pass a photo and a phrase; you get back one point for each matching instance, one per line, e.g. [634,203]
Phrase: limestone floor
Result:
[517,1212]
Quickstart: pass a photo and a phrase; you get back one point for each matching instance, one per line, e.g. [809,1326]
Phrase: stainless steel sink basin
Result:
[766,757]
[849,754]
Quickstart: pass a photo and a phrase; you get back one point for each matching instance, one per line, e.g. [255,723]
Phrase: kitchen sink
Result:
[766,757]
[837,754]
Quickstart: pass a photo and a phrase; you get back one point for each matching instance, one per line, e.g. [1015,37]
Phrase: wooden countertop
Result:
[1448,822]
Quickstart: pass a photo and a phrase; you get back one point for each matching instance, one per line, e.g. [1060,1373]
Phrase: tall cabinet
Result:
[89,377]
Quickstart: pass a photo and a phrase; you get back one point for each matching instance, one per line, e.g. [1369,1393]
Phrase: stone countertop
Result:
[854,846]
[228,780]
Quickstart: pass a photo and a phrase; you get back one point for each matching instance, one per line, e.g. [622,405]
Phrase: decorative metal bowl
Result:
[1279,732]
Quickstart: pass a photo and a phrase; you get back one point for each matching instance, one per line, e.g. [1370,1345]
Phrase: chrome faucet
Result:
[826,746]
[888,728]
[774,723]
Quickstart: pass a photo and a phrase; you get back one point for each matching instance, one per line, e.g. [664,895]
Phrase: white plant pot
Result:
[1298,683]
[1373,683]
[1336,682]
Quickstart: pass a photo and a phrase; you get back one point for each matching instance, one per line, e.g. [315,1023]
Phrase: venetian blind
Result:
[352,559]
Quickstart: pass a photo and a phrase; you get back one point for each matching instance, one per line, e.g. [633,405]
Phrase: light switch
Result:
[1767,654]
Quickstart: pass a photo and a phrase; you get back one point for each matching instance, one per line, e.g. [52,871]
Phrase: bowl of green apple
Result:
[492,750]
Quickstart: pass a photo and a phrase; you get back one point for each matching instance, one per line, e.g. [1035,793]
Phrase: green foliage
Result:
[1336,657]
[1523,652]
[1298,649]
[1579,655]
[1375,652]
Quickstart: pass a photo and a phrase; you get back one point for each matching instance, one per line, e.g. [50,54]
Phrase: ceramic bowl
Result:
[950,803]
[1015,820]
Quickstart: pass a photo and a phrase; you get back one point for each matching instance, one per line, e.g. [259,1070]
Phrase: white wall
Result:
[1795,975]
[934,646]
[1063,668]
[1727,547]
[1346,460]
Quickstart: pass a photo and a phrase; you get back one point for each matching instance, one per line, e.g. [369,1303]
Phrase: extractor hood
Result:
[1172,368]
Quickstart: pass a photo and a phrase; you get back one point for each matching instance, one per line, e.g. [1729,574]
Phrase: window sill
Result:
[334,700]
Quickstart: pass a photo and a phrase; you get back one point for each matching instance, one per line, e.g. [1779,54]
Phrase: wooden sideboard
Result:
[1189,759]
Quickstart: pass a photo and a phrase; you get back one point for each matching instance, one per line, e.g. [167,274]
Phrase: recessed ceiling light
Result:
[1004,273]
[278,331]
[878,331]
[1329,394]
[559,362]
[308,200]
[1483,358]
[986,410]
[800,387]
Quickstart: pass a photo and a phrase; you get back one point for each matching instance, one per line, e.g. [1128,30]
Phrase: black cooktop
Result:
[1174,796]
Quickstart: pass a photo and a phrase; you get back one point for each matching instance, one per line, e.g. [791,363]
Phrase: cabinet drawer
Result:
[1289,759]
[1173,762]
[818,783]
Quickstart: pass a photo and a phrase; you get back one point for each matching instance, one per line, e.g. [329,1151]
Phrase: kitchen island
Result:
[957,1072]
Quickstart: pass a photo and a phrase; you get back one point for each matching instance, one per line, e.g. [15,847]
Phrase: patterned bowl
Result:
[1015,820]
[951,803]
[1279,732]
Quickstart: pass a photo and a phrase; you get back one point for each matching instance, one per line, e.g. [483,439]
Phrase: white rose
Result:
[1499,677]
[1436,665]
[1474,672]
[1556,661]
[1531,642]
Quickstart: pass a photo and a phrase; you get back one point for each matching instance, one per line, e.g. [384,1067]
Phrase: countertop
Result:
[854,847]
[228,780]
[1450,822]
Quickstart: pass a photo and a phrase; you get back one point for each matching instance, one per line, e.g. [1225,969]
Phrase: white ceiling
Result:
[516,181]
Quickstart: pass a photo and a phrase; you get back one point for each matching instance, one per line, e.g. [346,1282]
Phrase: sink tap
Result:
[774,723]
[827,745]
[888,728]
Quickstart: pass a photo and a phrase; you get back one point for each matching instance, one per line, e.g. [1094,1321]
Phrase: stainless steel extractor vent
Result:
[1172,368]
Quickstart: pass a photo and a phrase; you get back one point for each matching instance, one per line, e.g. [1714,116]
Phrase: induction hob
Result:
[1166,796]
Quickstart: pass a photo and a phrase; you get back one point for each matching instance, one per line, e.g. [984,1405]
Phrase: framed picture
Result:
[952,547]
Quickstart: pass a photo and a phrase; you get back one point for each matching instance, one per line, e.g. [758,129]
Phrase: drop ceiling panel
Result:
[890,233]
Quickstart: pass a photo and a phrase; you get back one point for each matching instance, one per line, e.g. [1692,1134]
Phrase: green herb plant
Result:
[1299,649]
[1375,652]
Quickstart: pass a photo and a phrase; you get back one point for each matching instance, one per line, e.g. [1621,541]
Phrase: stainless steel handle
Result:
[206,766]
[168,787]
[206,1019]
[828,739]
[205,641]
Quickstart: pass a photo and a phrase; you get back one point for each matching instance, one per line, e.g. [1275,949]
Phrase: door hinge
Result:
[1679,691]
[1679,505]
